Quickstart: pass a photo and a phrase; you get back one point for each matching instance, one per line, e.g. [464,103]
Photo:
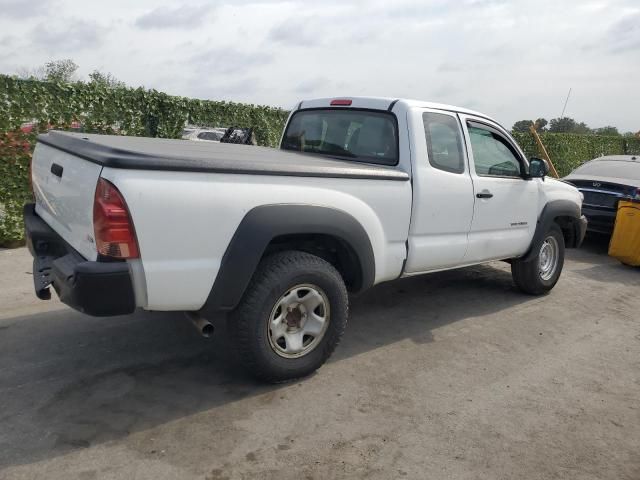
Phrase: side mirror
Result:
[538,168]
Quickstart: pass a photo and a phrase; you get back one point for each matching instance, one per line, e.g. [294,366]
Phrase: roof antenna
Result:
[565,104]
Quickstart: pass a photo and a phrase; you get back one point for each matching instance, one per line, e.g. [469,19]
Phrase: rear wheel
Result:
[291,317]
[540,274]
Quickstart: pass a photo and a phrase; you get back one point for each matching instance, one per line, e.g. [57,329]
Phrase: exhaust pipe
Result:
[204,326]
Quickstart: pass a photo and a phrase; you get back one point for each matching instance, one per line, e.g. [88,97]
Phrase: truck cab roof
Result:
[382,103]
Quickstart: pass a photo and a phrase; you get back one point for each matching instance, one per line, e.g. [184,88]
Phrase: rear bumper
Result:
[95,288]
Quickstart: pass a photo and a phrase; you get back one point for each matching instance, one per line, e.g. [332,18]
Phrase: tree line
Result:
[65,71]
[566,125]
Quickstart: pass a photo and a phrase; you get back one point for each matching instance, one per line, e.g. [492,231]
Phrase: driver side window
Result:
[493,156]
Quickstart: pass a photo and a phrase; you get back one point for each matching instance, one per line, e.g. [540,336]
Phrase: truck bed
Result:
[140,153]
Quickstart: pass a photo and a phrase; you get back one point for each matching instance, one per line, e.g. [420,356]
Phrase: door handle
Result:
[56,169]
[484,194]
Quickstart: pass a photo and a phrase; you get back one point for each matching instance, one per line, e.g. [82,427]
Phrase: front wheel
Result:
[291,317]
[540,274]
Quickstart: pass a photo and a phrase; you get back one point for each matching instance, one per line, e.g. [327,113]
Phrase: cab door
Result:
[506,202]
[442,192]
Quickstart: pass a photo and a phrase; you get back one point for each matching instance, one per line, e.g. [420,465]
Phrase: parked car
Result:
[203,134]
[603,182]
[362,191]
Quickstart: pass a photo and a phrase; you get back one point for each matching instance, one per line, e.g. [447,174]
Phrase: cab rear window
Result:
[358,135]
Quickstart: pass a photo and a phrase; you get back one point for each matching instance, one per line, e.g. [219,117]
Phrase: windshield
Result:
[611,168]
[358,135]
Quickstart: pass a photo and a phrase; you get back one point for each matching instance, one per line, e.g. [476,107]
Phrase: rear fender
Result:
[264,223]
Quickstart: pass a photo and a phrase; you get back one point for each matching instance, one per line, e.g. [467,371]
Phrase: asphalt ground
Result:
[453,375]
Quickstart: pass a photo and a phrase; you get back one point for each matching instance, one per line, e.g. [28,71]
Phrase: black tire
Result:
[527,275]
[248,324]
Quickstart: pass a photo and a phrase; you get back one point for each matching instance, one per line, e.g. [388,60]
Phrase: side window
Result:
[444,142]
[492,154]
[214,136]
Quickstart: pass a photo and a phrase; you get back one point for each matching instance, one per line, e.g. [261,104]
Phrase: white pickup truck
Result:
[361,191]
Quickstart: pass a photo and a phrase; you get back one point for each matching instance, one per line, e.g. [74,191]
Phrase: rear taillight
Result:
[112,225]
[341,102]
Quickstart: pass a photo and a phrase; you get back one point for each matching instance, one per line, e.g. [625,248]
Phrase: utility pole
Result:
[565,104]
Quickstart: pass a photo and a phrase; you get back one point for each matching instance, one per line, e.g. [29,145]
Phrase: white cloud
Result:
[624,35]
[67,37]
[185,16]
[225,60]
[505,58]
[19,9]
[296,33]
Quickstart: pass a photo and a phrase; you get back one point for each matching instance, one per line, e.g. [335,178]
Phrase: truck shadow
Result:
[68,381]
[595,243]
[602,268]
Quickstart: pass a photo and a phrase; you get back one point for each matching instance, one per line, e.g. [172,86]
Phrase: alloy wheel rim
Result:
[298,321]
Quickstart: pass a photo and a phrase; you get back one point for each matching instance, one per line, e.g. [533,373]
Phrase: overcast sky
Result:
[510,59]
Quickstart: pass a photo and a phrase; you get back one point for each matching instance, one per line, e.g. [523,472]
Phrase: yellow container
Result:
[625,241]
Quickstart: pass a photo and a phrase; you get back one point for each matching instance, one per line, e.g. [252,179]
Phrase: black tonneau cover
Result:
[140,153]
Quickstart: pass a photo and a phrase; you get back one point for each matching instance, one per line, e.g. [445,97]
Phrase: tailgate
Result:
[64,186]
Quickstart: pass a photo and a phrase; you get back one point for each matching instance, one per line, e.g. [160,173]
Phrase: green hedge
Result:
[140,112]
[101,109]
[15,155]
[568,151]
[127,111]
